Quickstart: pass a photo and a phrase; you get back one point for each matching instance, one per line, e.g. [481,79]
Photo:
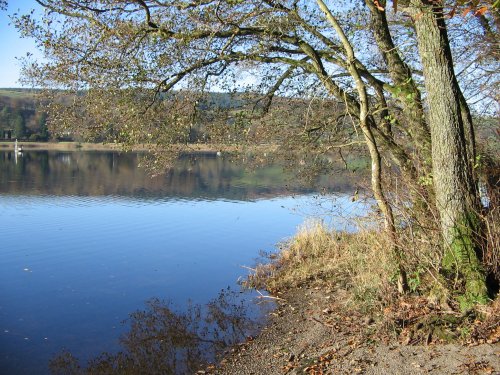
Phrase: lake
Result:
[98,257]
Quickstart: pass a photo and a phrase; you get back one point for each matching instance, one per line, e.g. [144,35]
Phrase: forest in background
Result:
[21,117]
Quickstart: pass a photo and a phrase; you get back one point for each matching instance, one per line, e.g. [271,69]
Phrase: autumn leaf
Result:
[481,11]
[466,11]
[377,4]
[452,12]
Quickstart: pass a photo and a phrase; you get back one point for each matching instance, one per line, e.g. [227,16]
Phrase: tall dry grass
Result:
[363,263]
[360,263]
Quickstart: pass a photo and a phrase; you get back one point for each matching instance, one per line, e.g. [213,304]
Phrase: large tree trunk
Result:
[454,185]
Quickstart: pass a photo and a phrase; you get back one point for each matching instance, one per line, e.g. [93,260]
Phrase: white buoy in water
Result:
[17,148]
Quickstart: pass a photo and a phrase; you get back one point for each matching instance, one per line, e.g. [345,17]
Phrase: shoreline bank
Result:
[60,146]
[85,146]
[339,313]
[312,332]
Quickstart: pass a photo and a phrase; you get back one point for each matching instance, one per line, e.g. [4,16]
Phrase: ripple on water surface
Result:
[74,266]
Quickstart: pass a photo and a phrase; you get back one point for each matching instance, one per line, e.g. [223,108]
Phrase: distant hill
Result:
[20,117]
[18,93]
[23,118]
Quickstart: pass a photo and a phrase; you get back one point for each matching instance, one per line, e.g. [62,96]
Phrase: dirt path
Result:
[308,334]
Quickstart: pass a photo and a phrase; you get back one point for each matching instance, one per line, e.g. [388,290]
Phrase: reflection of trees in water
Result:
[163,341]
[111,173]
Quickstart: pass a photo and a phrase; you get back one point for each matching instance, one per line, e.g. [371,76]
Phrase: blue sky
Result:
[11,45]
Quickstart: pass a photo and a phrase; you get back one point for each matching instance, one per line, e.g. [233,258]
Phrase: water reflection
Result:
[164,341]
[87,237]
[72,268]
[112,173]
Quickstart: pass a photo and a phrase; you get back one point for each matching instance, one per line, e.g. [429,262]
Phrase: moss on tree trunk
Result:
[461,259]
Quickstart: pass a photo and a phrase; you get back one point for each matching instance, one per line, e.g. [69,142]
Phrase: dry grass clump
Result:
[359,262]
[361,266]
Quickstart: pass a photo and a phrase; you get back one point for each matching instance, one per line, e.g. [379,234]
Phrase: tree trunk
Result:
[401,75]
[364,123]
[454,185]
[470,137]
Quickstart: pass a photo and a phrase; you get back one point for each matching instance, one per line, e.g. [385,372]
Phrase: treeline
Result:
[20,116]
[23,117]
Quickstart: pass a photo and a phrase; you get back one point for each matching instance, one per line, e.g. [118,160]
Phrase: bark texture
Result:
[401,75]
[453,181]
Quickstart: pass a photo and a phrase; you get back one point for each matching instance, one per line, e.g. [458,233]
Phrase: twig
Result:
[324,323]
[271,297]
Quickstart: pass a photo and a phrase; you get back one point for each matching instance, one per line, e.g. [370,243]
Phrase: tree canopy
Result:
[402,75]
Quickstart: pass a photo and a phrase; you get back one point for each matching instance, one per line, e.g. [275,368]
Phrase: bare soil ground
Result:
[312,332]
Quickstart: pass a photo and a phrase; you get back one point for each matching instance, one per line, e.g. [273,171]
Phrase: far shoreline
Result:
[6,145]
[60,146]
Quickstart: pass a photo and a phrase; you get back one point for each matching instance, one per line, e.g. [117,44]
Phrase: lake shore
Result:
[312,332]
[87,146]
[337,314]
[60,146]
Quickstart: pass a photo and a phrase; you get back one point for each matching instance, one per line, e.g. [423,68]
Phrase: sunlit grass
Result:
[359,262]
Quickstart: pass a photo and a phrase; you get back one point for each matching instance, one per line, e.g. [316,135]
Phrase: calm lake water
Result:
[98,257]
